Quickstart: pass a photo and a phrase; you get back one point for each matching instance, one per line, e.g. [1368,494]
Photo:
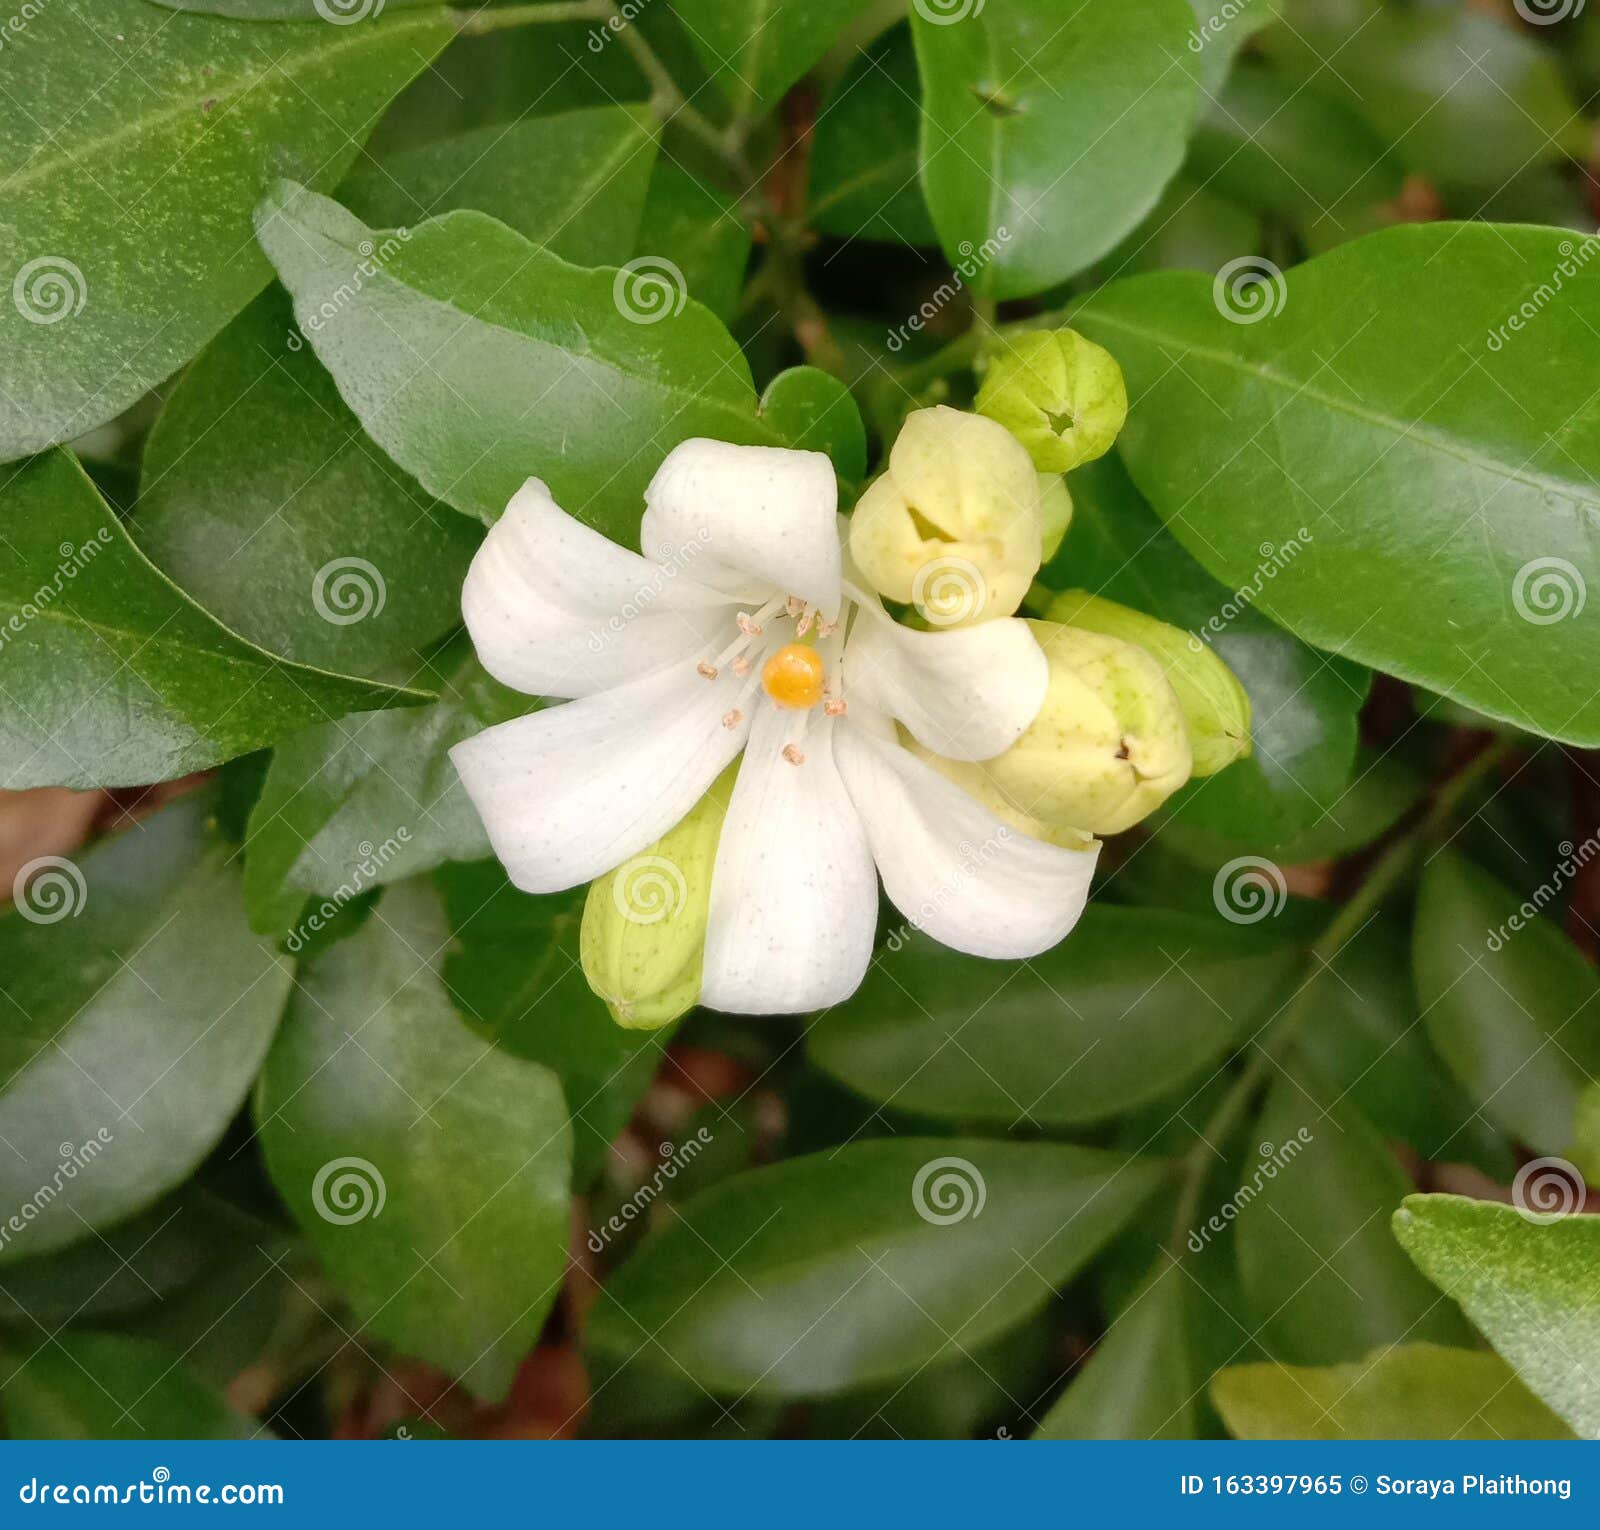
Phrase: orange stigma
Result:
[793,677]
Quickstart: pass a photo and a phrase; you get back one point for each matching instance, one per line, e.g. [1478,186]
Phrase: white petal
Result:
[794,899]
[950,866]
[968,693]
[751,520]
[570,792]
[556,609]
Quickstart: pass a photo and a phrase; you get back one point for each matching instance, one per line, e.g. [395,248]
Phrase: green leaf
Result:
[1411,1392]
[575,182]
[1509,1003]
[1132,1004]
[1191,228]
[587,378]
[865,150]
[1464,98]
[264,501]
[148,1259]
[106,1386]
[821,1274]
[1304,706]
[1288,150]
[147,142]
[1366,1041]
[370,800]
[348,12]
[1006,87]
[699,231]
[1321,1275]
[124,1057]
[429,1169]
[756,49]
[512,970]
[814,410]
[113,676]
[1528,1283]
[1244,435]
[1221,30]
[1137,1384]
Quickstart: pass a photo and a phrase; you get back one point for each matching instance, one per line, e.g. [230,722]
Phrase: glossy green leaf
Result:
[1530,1284]
[587,378]
[1411,1392]
[1304,706]
[264,501]
[1245,437]
[844,1268]
[699,231]
[1191,228]
[1221,29]
[1465,98]
[756,49]
[1507,1000]
[1006,88]
[114,677]
[866,147]
[512,970]
[814,410]
[574,182]
[429,1169]
[1285,149]
[1369,1040]
[1137,1383]
[124,1057]
[369,800]
[147,141]
[1131,1004]
[105,1386]
[1319,1269]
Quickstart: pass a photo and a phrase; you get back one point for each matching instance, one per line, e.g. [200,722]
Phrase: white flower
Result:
[741,631]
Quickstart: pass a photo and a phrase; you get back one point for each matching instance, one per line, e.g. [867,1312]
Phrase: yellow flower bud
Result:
[953,527]
[1215,705]
[1060,394]
[643,937]
[1055,512]
[1108,747]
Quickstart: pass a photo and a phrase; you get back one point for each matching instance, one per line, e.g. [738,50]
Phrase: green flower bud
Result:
[643,938]
[1215,706]
[1059,394]
[952,527]
[1055,512]
[1108,747]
